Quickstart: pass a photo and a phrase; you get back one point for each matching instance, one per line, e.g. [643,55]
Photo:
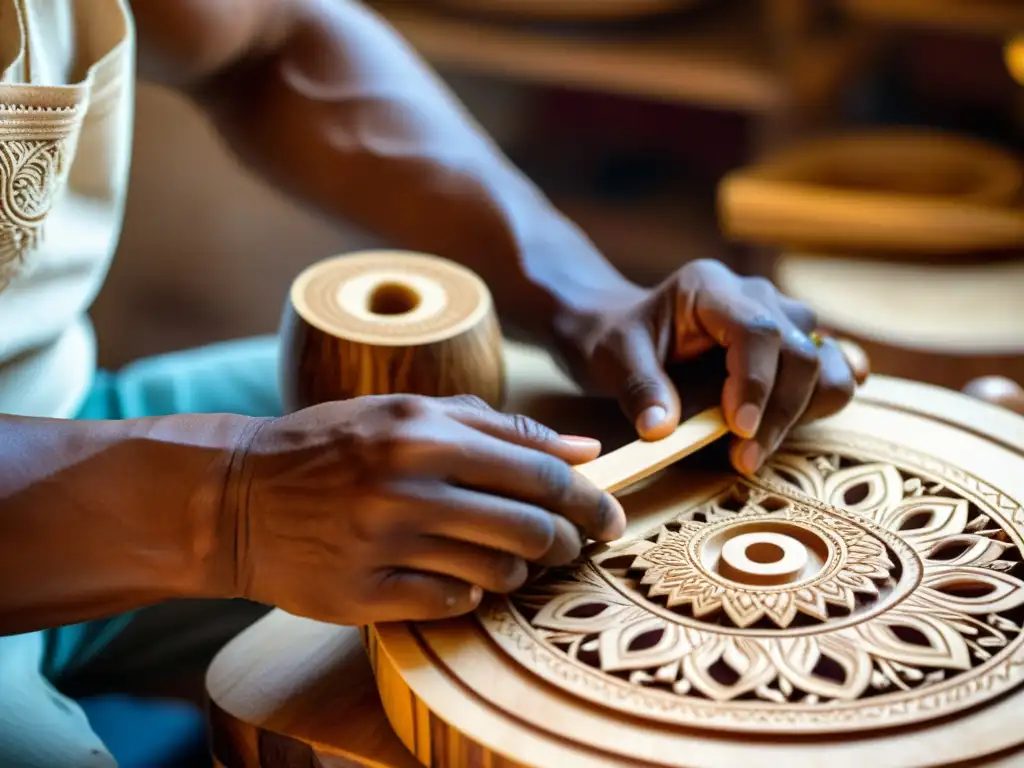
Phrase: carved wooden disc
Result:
[895,607]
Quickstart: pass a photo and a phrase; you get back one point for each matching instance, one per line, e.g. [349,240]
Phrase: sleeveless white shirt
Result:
[66,117]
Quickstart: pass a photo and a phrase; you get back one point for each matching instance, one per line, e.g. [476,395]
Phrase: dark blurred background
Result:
[628,123]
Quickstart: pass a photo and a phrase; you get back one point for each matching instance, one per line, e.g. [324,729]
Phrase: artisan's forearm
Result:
[341,113]
[101,517]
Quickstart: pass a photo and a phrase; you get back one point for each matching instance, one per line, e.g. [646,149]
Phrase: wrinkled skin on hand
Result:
[402,507]
[771,377]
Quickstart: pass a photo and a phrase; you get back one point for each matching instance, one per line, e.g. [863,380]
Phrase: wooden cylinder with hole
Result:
[905,191]
[943,324]
[387,322]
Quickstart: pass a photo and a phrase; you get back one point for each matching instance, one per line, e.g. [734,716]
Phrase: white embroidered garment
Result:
[66,114]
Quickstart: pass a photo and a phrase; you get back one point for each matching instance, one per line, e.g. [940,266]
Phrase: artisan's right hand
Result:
[404,508]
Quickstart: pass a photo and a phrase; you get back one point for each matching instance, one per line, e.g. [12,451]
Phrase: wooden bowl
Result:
[384,322]
[901,190]
[942,324]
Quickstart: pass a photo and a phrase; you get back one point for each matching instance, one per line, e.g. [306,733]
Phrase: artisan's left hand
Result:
[775,374]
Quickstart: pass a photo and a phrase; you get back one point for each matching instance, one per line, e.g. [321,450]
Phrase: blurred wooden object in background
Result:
[998,390]
[941,324]
[895,192]
[566,10]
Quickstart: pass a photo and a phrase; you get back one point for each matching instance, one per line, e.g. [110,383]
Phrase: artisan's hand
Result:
[774,375]
[405,508]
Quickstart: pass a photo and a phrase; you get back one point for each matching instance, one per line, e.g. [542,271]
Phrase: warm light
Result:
[1014,55]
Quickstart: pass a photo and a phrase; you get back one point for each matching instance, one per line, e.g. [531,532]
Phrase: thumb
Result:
[645,392]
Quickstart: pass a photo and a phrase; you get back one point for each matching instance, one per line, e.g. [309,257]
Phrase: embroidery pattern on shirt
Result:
[36,145]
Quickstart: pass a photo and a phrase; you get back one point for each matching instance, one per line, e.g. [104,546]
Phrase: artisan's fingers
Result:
[489,569]
[490,465]
[521,430]
[520,529]
[794,387]
[402,595]
[752,337]
[836,384]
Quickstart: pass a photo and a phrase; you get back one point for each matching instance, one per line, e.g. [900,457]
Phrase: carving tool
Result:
[642,458]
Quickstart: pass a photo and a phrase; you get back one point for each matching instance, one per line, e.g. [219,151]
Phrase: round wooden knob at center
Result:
[388,322]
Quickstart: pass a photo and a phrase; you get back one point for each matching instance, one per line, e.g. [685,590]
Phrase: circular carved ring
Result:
[911,610]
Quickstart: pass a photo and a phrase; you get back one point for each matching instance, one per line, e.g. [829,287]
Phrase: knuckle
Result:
[800,352]
[375,449]
[760,287]
[638,387]
[762,328]
[530,429]
[706,268]
[470,401]
[756,390]
[507,573]
[802,315]
[555,478]
[408,407]
[538,533]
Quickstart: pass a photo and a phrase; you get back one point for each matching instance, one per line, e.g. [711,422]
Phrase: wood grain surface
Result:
[384,322]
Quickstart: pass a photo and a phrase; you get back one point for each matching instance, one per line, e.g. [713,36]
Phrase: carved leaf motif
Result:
[934,642]
[976,550]
[797,658]
[790,469]
[666,642]
[972,590]
[867,489]
[583,612]
[748,661]
[945,517]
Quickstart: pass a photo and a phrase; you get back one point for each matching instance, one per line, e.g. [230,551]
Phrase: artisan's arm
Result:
[102,517]
[331,105]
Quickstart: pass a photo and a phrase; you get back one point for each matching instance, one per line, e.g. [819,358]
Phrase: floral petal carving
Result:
[652,642]
[791,469]
[930,642]
[942,517]
[867,489]
[971,548]
[972,590]
[579,612]
[749,662]
[798,658]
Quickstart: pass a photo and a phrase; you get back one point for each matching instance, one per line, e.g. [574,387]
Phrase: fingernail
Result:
[476,594]
[751,456]
[651,418]
[578,441]
[748,418]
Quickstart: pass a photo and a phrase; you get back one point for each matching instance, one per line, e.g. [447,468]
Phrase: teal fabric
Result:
[232,377]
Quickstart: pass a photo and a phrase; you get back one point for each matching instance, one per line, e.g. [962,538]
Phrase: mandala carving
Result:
[850,585]
[32,172]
